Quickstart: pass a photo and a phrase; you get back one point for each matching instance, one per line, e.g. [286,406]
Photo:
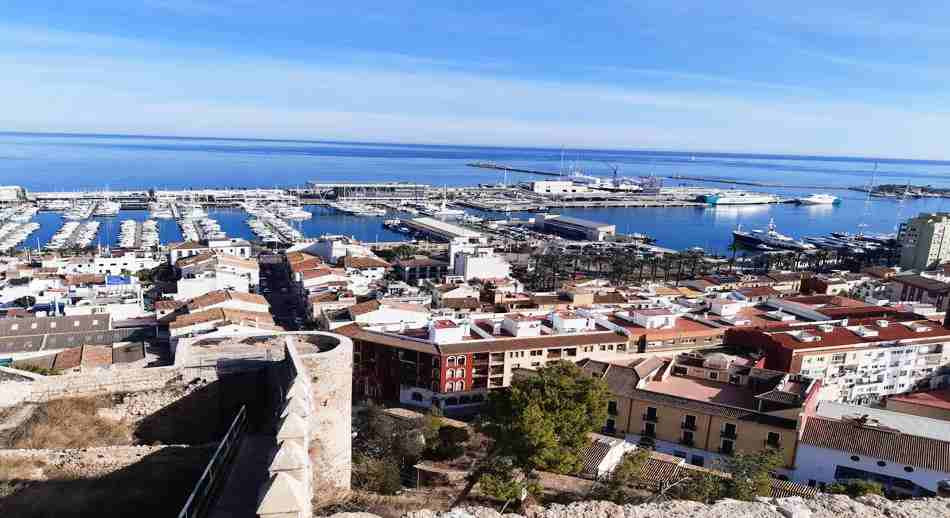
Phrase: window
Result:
[536,353]
[687,438]
[610,427]
[448,386]
[727,447]
[459,386]
[714,375]
[689,422]
[855,458]
[651,414]
[773,440]
[460,361]
[649,429]
[729,430]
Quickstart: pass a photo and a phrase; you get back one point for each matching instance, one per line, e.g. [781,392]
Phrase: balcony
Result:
[648,433]
[728,434]
[772,444]
[686,425]
[653,418]
[686,442]
[727,451]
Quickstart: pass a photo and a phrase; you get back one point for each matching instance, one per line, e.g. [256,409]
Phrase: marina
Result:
[74,234]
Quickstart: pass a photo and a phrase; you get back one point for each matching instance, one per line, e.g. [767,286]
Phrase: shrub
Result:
[856,488]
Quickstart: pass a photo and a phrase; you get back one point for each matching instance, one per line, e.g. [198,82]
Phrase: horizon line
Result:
[660,152]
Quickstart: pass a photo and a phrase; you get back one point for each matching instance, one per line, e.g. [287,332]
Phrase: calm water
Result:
[55,162]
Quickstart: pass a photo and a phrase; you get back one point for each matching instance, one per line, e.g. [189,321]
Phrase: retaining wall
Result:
[87,384]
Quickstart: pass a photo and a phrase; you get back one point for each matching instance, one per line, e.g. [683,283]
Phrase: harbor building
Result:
[574,228]
[368,191]
[556,187]
[925,241]
[12,194]
[445,231]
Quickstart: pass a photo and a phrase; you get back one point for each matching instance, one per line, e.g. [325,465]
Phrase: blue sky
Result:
[858,78]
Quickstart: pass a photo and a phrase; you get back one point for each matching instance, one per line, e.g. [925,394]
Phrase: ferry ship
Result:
[769,239]
[740,198]
[818,199]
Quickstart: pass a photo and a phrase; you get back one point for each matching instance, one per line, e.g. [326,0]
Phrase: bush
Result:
[856,488]
[449,443]
[376,475]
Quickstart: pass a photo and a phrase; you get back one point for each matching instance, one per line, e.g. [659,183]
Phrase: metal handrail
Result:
[197,502]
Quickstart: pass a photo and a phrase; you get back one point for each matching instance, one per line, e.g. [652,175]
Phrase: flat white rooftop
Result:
[444,229]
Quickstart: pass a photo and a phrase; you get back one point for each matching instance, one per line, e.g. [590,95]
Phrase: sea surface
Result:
[49,162]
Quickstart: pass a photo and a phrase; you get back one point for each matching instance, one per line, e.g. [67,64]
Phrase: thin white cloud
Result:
[184,94]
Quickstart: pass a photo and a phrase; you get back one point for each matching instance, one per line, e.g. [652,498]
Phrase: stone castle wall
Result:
[88,384]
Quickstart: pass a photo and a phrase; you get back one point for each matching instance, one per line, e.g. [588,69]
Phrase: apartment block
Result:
[859,360]
[705,407]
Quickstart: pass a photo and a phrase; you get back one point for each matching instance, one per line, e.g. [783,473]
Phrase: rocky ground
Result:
[824,506]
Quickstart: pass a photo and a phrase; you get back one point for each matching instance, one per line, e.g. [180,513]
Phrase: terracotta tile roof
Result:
[218,314]
[219,296]
[85,278]
[363,262]
[312,263]
[909,450]
[169,305]
[842,336]
[932,398]
[68,359]
[420,262]
[461,303]
[96,356]
[194,259]
[186,245]
[363,307]
[238,262]
[540,342]
[760,291]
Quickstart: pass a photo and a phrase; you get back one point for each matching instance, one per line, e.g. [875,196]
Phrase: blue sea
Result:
[52,162]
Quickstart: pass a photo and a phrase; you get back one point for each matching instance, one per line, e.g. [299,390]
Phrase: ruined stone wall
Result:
[88,384]
[823,506]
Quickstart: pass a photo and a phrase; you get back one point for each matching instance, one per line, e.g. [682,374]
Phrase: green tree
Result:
[541,422]
[618,485]
[856,488]
[751,474]
[700,486]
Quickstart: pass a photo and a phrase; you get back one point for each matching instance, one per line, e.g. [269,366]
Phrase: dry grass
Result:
[70,423]
[384,505]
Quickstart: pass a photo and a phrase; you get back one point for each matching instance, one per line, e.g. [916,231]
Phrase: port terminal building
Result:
[368,191]
[574,228]
[444,231]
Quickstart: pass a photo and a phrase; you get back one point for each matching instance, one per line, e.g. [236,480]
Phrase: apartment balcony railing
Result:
[728,434]
[653,418]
